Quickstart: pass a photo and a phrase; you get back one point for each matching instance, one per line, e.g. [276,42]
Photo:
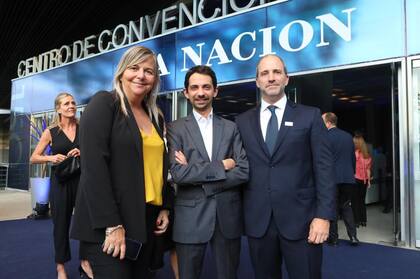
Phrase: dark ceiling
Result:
[29,28]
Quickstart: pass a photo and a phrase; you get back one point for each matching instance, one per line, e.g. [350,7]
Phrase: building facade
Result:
[360,59]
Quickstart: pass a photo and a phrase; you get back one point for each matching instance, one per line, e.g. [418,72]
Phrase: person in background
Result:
[122,212]
[290,197]
[363,177]
[63,136]
[342,147]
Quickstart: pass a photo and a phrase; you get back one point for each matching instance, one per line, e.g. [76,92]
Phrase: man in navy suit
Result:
[290,196]
[342,147]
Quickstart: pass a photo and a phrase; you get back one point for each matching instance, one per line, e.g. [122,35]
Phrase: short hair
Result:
[331,117]
[273,55]
[203,70]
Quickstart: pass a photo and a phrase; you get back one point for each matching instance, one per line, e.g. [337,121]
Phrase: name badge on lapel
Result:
[288,123]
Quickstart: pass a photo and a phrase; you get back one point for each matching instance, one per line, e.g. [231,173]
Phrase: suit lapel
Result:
[194,131]
[158,129]
[132,125]
[218,128]
[288,116]
[256,125]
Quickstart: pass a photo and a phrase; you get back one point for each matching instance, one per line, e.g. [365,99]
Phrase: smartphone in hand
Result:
[132,249]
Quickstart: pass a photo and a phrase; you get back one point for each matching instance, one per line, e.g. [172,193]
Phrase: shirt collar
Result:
[281,104]
[199,117]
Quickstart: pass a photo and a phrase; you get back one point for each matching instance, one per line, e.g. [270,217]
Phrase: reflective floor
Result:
[379,228]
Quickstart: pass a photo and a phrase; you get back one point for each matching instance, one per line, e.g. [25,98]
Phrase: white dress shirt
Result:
[265,113]
[206,130]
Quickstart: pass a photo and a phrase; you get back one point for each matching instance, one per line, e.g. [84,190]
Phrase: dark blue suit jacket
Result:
[296,184]
[342,147]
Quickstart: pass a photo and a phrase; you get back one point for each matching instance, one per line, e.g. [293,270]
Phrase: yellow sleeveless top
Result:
[153,166]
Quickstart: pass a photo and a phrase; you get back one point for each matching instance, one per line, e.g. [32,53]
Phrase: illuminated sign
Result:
[308,37]
[164,21]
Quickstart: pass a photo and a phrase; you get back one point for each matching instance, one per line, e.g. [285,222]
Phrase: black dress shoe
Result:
[354,241]
[363,224]
[83,274]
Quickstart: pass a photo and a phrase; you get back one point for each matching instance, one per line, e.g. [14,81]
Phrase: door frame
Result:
[408,211]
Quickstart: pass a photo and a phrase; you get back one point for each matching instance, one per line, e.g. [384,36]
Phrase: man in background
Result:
[342,147]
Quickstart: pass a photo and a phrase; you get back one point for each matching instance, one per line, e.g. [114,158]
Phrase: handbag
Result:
[68,168]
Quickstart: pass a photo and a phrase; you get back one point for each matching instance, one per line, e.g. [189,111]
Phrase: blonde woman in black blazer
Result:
[111,209]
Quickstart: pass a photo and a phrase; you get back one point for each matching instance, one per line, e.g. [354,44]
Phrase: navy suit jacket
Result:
[295,184]
[342,147]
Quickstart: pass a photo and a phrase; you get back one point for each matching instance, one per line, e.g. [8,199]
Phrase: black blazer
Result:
[111,189]
[342,148]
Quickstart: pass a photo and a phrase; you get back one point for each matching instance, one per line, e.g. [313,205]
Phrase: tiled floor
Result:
[14,204]
[17,205]
[379,229]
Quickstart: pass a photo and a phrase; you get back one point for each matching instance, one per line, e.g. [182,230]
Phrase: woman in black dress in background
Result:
[62,135]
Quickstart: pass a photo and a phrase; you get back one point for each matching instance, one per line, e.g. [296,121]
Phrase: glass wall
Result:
[415,151]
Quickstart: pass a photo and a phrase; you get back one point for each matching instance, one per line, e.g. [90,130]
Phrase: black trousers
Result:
[345,194]
[62,200]
[105,266]
[302,260]
[226,253]
[359,209]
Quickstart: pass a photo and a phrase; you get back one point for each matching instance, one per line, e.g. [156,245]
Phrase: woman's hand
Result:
[74,152]
[114,243]
[58,158]
[162,222]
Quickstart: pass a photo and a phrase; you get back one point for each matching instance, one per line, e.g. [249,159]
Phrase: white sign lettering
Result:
[218,51]
[166,20]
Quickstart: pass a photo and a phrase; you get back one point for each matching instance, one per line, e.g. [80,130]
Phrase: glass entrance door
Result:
[415,150]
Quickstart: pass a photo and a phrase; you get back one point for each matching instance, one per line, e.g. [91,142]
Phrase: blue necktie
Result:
[272,130]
